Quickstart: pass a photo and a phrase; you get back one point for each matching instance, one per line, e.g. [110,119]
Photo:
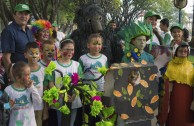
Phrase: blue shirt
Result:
[144,56]
[14,40]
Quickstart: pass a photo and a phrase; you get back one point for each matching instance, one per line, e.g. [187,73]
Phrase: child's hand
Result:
[11,103]
[71,98]
[29,83]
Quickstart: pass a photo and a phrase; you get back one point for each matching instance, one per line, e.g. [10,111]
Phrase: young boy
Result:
[164,24]
[135,42]
[32,54]
[90,63]
[48,52]
[20,96]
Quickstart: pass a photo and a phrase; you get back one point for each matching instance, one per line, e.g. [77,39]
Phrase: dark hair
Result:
[185,34]
[165,21]
[182,46]
[95,35]
[31,45]
[64,42]
[18,68]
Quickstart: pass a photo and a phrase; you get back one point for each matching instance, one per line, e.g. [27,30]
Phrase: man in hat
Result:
[151,17]
[15,37]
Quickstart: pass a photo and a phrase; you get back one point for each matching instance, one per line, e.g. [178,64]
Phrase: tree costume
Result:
[175,109]
[131,53]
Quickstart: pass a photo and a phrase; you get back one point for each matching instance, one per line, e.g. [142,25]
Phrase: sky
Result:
[189,7]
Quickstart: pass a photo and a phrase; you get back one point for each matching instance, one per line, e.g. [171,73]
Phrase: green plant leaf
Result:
[120,72]
[124,91]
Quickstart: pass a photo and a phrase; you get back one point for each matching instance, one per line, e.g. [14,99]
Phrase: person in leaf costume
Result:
[178,87]
[135,36]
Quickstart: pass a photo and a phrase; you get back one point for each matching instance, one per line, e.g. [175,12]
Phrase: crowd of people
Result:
[26,52]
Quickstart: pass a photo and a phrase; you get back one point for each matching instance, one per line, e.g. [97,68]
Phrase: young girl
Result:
[179,80]
[90,63]
[67,67]
[93,60]
[19,97]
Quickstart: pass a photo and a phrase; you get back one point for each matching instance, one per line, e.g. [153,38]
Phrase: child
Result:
[20,96]
[67,67]
[164,24]
[90,63]
[32,54]
[93,60]
[135,36]
[179,80]
[48,52]
[177,33]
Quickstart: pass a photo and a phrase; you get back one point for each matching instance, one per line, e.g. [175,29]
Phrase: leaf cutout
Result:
[152,77]
[124,64]
[117,93]
[130,88]
[139,104]
[144,62]
[154,99]
[86,117]
[120,72]
[141,96]
[144,83]
[150,92]
[134,101]
[149,110]
[125,98]
[137,65]
[124,116]
[138,93]
[124,91]
[59,80]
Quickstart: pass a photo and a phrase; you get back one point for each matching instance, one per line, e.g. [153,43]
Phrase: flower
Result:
[96,108]
[102,70]
[51,95]
[54,100]
[75,79]
[50,68]
[66,81]
[97,98]
[64,109]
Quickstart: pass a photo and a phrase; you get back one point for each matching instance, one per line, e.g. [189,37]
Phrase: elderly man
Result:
[15,37]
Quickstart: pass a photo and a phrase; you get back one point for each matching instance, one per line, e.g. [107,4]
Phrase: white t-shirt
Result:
[90,65]
[22,113]
[38,78]
[154,40]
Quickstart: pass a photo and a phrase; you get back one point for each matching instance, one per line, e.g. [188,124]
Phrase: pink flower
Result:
[97,98]
[75,79]
[54,100]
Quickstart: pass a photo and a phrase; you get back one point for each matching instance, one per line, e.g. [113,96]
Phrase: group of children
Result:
[24,96]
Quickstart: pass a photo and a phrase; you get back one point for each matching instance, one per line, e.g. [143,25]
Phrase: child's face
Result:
[139,42]
[33,55]
[43,34]
[95,46]
[25,77]
[177,34]
[182,52]
[48,51]
[67,51]
[152,20]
